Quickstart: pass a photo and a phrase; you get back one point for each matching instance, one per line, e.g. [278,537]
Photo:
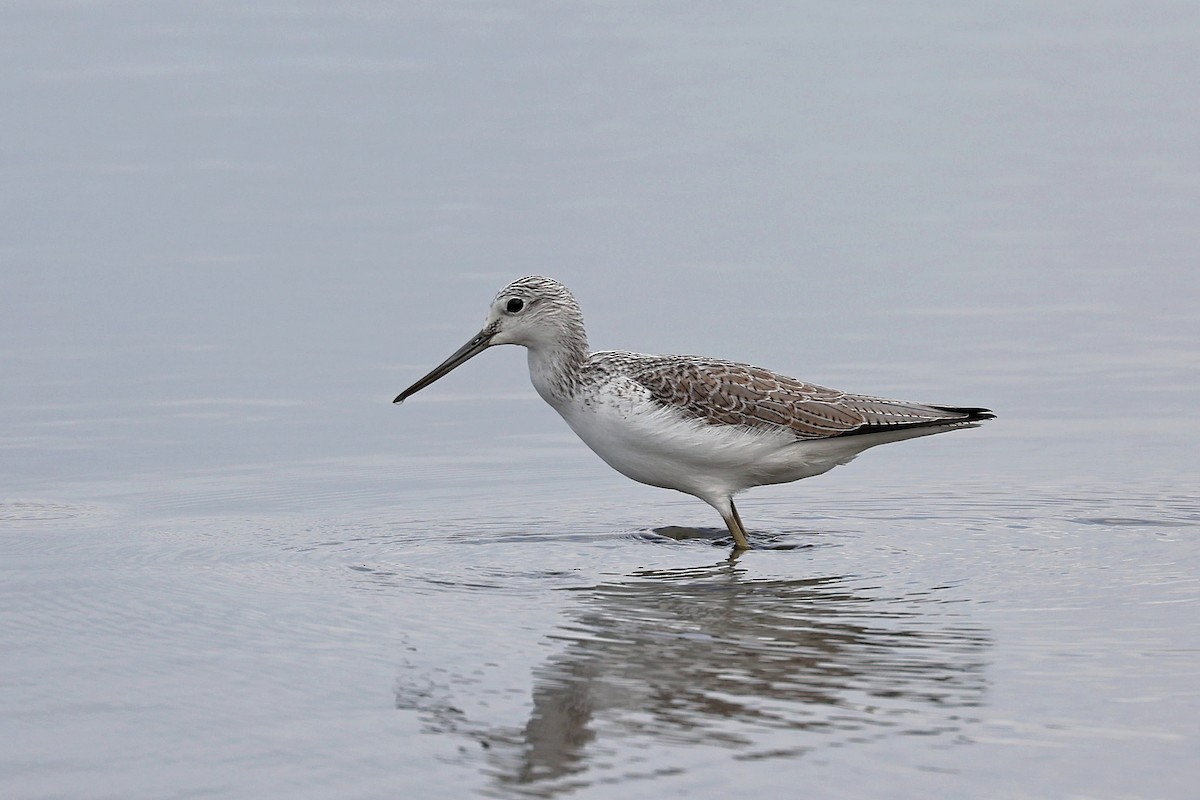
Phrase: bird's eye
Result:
[515,305]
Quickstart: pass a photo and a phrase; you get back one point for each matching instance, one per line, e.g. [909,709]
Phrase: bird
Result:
[707,427]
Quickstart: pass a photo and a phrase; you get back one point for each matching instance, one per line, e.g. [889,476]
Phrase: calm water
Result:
[229,567]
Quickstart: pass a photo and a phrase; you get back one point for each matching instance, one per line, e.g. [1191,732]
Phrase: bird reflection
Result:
[709,656]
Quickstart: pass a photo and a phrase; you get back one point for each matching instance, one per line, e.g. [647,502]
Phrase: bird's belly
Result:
[661,447]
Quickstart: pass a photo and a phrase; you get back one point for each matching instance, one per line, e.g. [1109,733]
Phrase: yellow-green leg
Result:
[734,523]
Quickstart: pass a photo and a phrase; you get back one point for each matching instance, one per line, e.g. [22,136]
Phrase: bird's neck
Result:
[556,368]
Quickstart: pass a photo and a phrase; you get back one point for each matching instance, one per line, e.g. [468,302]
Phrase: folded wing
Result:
[729,393]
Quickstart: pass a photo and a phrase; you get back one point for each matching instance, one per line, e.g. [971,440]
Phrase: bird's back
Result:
[721,392]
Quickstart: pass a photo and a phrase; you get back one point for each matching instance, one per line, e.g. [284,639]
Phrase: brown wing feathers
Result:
[728,393]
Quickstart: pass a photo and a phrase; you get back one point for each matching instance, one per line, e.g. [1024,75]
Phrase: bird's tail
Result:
[970,414]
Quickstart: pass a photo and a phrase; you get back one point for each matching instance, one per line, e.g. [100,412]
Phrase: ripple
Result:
[17,511]
[1134,522]
[720,538]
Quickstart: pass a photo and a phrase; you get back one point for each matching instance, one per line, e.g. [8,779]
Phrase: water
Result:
[231,568]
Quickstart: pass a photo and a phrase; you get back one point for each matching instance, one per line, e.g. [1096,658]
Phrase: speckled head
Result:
[536,312]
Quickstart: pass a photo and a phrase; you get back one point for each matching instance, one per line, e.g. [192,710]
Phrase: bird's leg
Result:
[734,522]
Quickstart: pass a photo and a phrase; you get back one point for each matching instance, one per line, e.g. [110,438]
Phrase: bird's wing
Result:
[729,393]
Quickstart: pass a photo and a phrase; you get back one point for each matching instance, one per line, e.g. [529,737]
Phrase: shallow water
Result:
[969,643]
[231,568]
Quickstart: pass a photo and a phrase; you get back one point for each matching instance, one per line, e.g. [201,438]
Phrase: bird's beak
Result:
[482,341]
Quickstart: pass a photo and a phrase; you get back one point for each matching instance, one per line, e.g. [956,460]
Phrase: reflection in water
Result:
[765,668]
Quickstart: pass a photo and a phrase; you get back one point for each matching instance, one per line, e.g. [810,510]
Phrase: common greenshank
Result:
[703,426]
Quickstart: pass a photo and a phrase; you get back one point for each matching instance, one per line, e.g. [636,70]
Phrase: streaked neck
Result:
[557,368]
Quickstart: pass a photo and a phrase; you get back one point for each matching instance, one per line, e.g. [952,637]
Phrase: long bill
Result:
[482,341]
